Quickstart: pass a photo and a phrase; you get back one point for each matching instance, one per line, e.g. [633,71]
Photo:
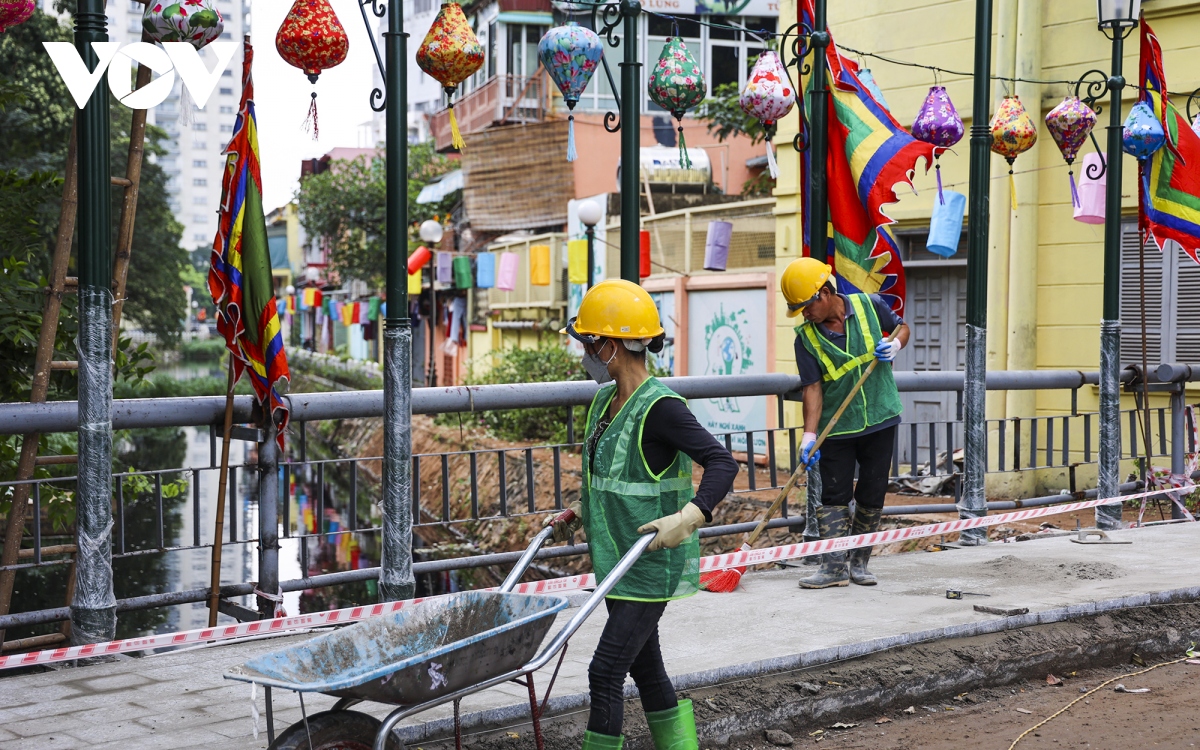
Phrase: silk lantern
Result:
[677,85]
[463,278]
[443,271]
[1013,133]
[1069,124]
[1143,134]
[570,54]
[577,261]
[506,278]
[938,124]
[312,39]
[539,265]
[716,245]
[15,12]
[414,283]
[485,270]
[1092,192]
[768,97]
[946,223]
[868,80]
[418,259]
[1196,125]
[450,54]
[643,254]
[197,22]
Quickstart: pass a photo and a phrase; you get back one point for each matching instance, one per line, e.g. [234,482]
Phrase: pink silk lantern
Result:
[1069,124]
[1092,192]
[768,97]
[506,278]
[938,124]
[15,12]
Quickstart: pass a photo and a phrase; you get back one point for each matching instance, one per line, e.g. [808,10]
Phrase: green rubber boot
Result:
[834,521]
[595,741]
[675,728]
[866,521]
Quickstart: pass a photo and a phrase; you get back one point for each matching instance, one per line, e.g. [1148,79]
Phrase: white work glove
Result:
[567,522]
[675,529]
[885,351]
[808,445]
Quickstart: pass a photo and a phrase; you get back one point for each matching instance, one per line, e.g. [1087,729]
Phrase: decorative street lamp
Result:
[1116,19]
[590,214]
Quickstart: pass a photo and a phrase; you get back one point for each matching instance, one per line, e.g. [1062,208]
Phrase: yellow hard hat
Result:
[802,281]
[615,309]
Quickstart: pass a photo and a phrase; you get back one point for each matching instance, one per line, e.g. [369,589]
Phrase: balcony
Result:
[503,99]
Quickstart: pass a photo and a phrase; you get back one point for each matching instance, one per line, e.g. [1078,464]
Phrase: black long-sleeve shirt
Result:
[670,428]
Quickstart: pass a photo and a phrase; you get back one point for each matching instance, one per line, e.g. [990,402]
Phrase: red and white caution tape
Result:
[551,586]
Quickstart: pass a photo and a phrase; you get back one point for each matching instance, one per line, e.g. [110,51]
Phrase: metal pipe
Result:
[268,519]
[1109,516]
[396,579]
[93,606]
[590,233]
[631,152]
[1178,447]
[974,500]
[818,202]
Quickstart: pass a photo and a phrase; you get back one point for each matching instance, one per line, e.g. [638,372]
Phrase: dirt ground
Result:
[1167,717]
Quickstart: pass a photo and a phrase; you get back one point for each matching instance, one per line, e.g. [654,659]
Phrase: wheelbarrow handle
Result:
[526,559]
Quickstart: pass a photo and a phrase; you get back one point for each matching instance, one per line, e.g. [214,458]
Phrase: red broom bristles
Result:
[723,581]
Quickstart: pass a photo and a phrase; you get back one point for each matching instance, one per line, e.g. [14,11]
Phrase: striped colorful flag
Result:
[240,276]
[869,153]
[1169,201]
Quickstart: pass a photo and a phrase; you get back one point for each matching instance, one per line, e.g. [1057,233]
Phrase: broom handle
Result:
[791,482]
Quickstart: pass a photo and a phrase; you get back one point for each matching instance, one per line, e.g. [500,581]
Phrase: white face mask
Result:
[598,368]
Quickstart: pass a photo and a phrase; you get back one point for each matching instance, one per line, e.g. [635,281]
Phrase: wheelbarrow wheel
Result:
[333,730]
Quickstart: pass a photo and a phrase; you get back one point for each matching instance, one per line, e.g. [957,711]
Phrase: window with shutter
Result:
[1131,299]
[1187,307]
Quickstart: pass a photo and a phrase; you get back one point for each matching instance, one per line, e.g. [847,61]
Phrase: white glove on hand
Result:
[675,529]
[566,523]
[885,351]
[808,444]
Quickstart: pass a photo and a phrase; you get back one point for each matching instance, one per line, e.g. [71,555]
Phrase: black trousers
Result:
[873,455]
[628,646]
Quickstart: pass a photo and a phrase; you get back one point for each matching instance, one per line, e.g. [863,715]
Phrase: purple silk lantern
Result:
[444,271]
[1069,124]
[1143,134]
[716,245]
[1196,125]
[938,124]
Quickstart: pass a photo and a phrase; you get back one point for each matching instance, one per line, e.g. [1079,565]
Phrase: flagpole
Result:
[974,497]
[396,579]
[818,193]
[214,594]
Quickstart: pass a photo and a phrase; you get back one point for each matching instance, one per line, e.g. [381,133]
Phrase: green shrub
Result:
[546,364]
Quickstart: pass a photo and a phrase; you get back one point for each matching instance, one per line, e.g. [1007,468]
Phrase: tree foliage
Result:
[345,208]
[725,119]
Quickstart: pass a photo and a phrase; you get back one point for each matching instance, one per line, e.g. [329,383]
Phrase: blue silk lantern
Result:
[946,224]
[570,54]
[485,270]
[1143,134]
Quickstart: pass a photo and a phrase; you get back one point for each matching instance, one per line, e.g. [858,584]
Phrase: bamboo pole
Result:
[214,595]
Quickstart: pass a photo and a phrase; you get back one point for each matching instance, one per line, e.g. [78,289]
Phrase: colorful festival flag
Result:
[869,153]
[240,277]
[1169,201]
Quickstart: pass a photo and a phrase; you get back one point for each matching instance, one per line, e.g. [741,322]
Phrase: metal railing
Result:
[324,498]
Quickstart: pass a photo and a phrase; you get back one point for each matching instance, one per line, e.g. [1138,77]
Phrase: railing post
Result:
[1178,440]
[268,521]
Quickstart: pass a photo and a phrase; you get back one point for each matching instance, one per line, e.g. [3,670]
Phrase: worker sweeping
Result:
[841,335]
[639,447]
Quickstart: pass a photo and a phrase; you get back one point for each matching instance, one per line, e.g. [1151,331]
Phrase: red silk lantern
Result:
[418,259]
[450,54]
[644,254]
[312,39]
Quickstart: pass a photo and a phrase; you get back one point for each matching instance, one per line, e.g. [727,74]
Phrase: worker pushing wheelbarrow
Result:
[641,516]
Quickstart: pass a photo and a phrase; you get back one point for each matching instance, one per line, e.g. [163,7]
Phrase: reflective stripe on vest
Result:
[831,371]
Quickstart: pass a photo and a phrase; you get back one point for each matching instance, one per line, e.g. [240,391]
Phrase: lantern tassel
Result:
[772,167]
[1074,190]
[310,122]
[1012,188]
[456,138]
[571,155]
[685,161]
[938,168]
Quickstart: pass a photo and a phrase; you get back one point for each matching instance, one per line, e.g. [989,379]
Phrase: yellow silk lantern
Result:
[539,265]
[577,261]
[414,283]
[450,54]
[1013,133]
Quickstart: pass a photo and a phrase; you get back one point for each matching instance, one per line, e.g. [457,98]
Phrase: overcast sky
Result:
[283,93]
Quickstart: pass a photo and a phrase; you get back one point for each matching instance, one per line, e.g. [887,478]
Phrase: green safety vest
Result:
[620,494]
[878,401]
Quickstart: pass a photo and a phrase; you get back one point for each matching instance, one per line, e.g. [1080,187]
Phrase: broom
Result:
[725,581]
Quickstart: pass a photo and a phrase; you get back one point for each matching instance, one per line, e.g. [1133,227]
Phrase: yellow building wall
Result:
[1063,280]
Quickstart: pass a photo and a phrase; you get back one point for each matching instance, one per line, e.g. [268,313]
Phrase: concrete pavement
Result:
[179,699]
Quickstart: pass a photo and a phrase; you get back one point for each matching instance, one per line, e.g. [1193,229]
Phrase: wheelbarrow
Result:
[437,652]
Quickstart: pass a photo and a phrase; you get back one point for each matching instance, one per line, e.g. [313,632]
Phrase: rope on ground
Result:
[1063,710]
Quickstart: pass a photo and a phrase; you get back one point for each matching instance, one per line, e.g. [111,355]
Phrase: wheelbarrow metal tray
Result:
[414,655]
